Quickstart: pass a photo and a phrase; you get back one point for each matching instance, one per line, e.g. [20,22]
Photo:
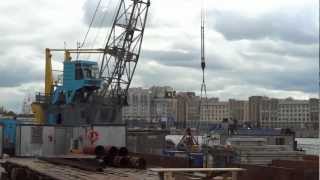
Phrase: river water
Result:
[310,145]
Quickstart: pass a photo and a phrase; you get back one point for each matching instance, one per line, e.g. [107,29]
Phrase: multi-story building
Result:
[183,104]
[139,103]
[239,110]
[215,111]
[151,105]
[163,105]
[162,92]
[254,110]
[294,114]
[284,113]
[194,109]
[182,108]
[268,112]
[314,112]
[187,108]
[164,110]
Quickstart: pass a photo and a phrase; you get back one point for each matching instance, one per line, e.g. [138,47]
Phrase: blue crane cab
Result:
[80,79]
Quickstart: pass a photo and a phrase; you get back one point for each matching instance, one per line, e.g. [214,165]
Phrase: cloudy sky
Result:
[252,47]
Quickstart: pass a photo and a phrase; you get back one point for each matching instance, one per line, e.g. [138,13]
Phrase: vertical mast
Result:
[203,98]
[203,63]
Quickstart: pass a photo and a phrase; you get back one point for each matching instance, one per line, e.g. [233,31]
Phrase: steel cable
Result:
[90,25]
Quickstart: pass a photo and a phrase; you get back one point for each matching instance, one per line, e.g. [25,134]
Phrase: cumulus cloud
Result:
[283,48]
[244,91]
[278,67]
[178,58]
[105,12]
[13,76]
[230,85]
[11,98]
[27,29]
[297,25]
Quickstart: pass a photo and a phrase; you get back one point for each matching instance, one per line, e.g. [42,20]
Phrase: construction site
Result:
[77,130]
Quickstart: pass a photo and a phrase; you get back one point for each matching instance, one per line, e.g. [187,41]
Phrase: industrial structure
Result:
[94,92]
[203,95]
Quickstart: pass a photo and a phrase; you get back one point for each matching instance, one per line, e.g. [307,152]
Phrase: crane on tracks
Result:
[91,92]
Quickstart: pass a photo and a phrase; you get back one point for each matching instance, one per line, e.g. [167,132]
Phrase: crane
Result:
[92,92]
[188,142]
[203,95]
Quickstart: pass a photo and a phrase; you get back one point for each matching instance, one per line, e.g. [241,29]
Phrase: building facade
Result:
[139,105]
[182,108]
[188,108]
[163,105]
[239,110]
[151,105]
[194,109]
[254,110]
[284,113]
[314,112]
[215,111]
[268,112]
[294,114]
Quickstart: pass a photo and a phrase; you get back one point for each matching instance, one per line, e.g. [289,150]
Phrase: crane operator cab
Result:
[80,79]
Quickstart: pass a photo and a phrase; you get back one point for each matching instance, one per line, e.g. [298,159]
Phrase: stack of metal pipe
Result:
[115,156]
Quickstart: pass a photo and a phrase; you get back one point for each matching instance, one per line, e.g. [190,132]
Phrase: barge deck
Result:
[32,168]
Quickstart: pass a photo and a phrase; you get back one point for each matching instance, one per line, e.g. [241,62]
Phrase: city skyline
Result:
[226,98]
[164,103]
[157,104]
[27,100]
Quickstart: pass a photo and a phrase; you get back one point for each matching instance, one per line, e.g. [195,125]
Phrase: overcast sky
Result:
[252,47]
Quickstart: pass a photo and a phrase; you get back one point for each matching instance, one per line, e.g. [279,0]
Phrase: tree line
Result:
[6,112]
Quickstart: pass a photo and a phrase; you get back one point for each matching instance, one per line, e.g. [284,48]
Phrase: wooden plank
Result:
[195,169]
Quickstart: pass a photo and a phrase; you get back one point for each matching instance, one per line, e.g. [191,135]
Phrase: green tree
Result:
[6,112]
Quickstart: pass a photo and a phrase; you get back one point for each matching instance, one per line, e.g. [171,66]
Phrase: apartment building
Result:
[239,110]
[139,104]
[163,104]
[293,113]
[215,111]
